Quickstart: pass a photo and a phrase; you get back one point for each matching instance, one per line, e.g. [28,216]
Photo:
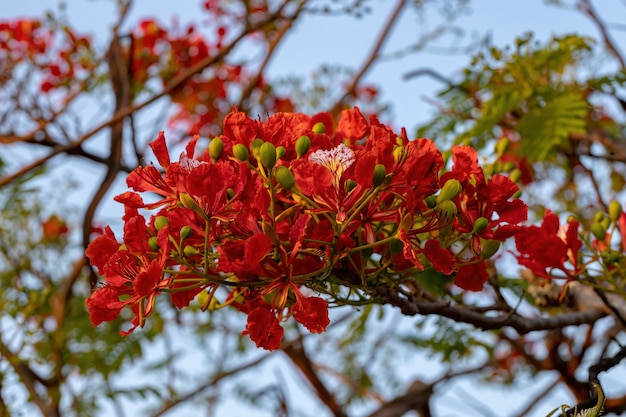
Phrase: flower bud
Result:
[216,148]
[285,177]
[160,222]
[515,175]
[255,147]
[319,128]
[502,146]
[489,248]
[450,190]
[598,231]
[190,251]
[240,152]
[615,210]
[302,145]
[430,201]
[280,152]
[480,224]
[152,244]
[185,232]
[267,155]
[379,174]
[447,209]
[508,166]
[598,217]
[190,203]
[350,184]
[606,223]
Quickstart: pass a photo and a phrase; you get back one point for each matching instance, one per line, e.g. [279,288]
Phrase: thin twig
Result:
[371,59]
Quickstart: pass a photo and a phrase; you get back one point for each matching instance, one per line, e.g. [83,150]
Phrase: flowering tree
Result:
[266,226]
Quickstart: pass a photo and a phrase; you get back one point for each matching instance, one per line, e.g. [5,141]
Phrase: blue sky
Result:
[347,41]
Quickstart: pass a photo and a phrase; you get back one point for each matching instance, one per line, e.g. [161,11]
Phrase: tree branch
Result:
[351,90]
[411,306]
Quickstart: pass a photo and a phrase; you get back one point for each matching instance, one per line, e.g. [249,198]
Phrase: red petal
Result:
[101,249]
[471,277]
[263,329]
[312,313]
[98,305]
[160,150]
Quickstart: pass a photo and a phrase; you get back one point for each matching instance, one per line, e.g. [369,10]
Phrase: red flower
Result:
[549,247]
[264,329]
[472,276]
[311,312]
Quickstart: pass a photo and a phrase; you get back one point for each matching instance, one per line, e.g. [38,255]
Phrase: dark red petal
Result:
[98,305]
[441,259]
[471,277]
[101,249]
[312,313]
[264,329]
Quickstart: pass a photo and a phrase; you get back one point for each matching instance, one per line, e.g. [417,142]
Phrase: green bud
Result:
[267,155]
[447,209]
[480,224]
[280,152]
[216,148]
[160,222]
[598,217]
[598,231]
[395,246]
[350,184]
[152,244]
[450,190]
[379,174]
[319,128]
[606,223]
[190,250]
[517,194]
[185,232]
[302,145]
[502,146]
[230,193]
[615,210]
[430,201]
[240,152]
[255,147]
[489,248]
[515,175]
[508,166]
[190,203]
[285,177]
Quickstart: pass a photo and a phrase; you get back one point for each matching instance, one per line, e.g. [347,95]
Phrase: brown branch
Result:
[296,353]
[212,382]
[176,82]
[273,44]
[371,59]
[586,7]
[30,379]
[411,306]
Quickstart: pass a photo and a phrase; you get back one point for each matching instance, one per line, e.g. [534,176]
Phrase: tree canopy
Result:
[254,243]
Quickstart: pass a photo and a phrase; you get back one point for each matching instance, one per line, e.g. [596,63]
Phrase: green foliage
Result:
[530,94]
[45,324]
[450,342]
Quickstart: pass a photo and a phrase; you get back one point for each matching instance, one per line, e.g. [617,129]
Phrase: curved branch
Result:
[176,82]
[411,306]
[374,54]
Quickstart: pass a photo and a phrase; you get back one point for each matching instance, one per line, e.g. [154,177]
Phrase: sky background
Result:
[346,41]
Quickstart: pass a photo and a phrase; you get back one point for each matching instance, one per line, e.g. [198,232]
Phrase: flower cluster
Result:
[62,56]
[275,211]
